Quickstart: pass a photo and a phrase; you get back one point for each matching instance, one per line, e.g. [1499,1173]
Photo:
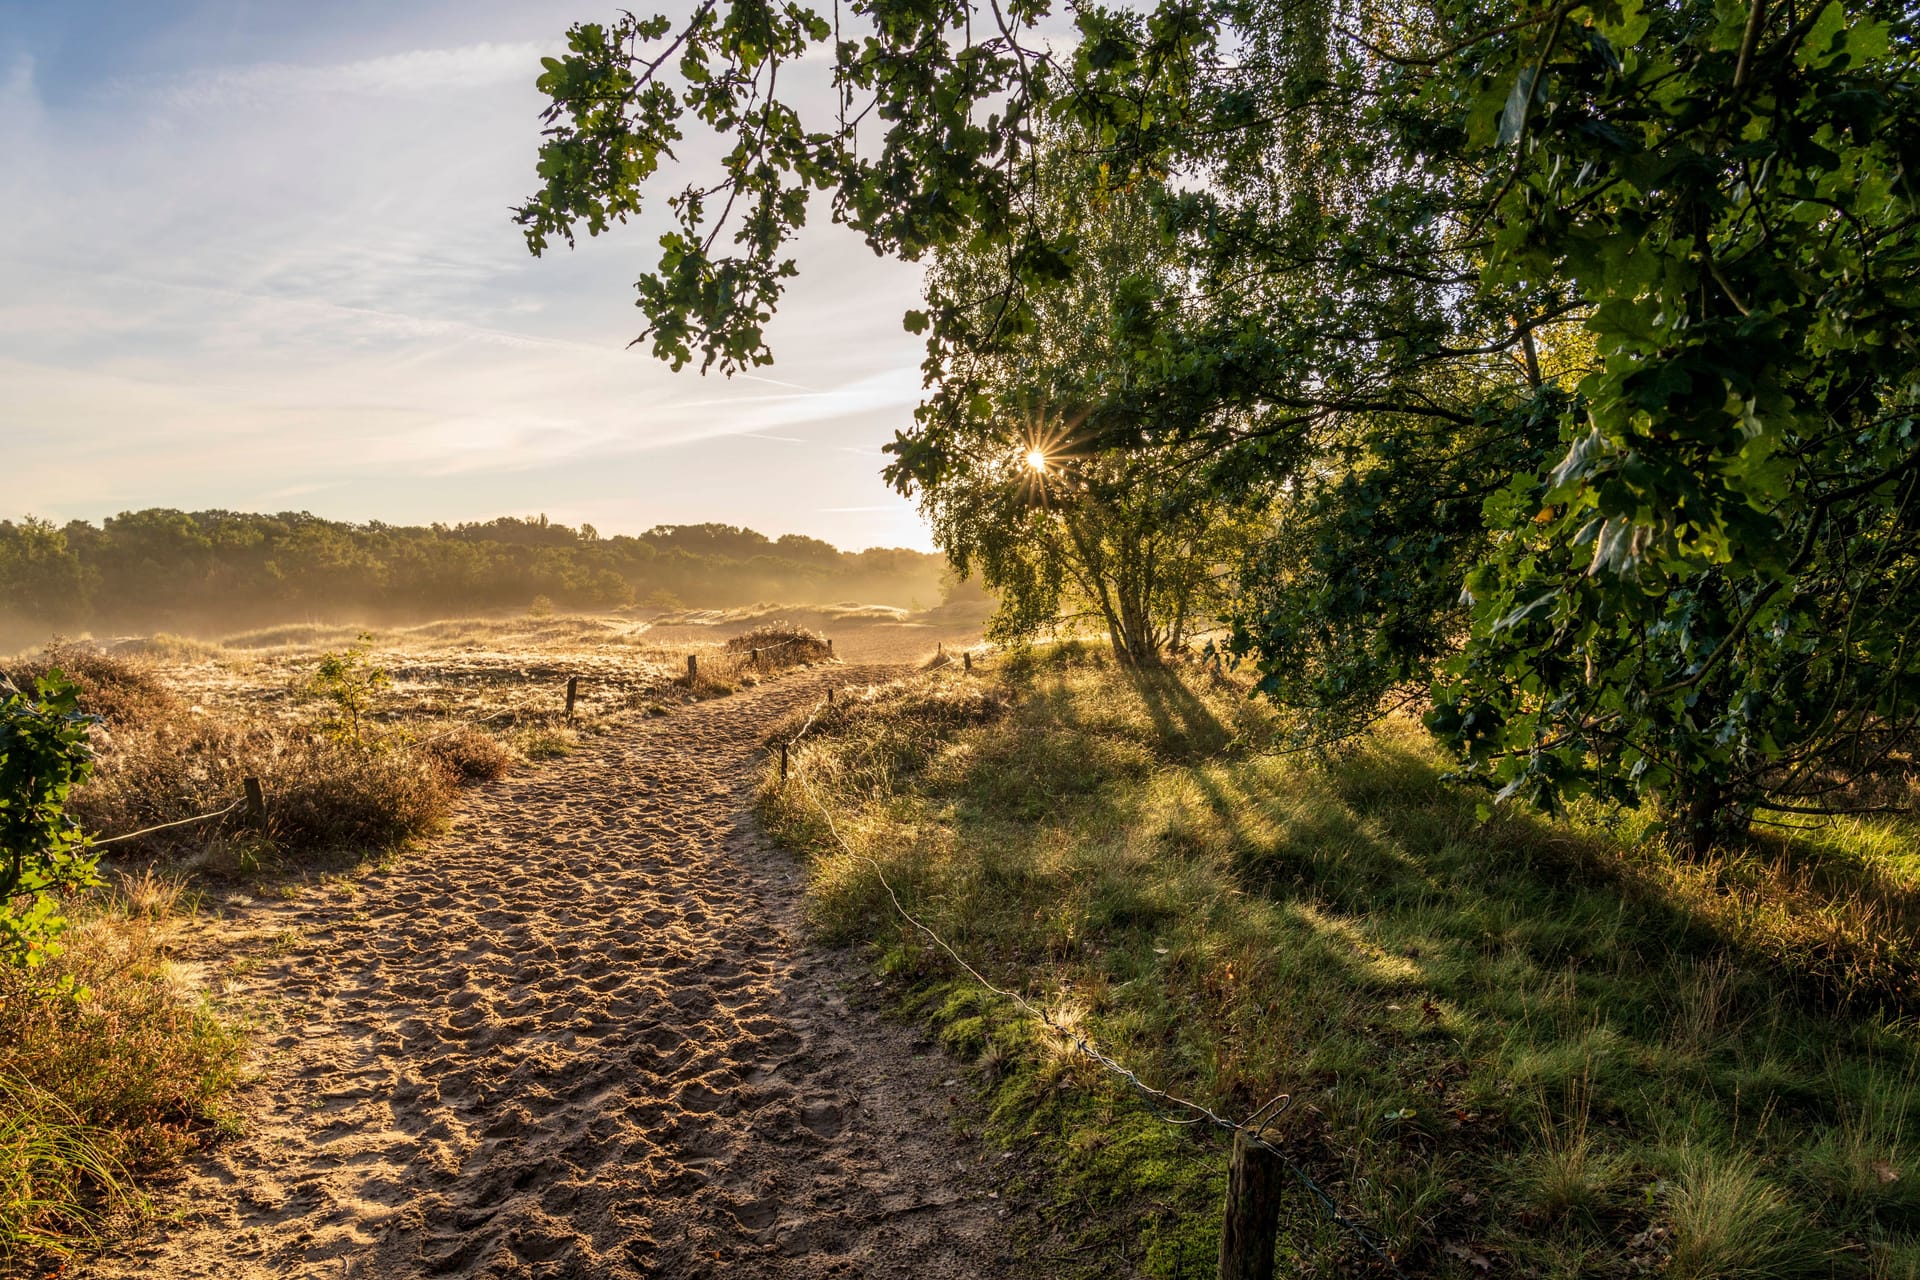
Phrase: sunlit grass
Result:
[1549,1045]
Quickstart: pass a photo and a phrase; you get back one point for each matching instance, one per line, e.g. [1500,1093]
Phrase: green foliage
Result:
[44,754]
[1016,461]
[1709,596]
[350,685]
[1578,336]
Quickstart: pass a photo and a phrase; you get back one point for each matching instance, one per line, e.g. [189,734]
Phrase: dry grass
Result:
[544,742]
[101,1087]
[469,753]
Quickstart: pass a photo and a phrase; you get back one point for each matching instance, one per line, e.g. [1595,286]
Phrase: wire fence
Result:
[167,826]
[1168,1106]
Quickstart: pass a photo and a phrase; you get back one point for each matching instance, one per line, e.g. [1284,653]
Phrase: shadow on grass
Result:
[1523,1034]
[1187,727]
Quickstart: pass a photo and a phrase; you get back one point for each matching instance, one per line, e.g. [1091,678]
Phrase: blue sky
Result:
[258,256]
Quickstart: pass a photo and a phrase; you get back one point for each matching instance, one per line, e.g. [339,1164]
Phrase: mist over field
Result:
[210,574]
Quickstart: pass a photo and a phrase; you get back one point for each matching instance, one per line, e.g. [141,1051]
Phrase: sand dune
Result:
[581,1035]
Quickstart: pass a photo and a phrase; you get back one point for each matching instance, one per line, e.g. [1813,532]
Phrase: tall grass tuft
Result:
[55,1171]
[1728,1219]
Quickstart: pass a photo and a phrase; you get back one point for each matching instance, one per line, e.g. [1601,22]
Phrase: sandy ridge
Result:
[581,1035]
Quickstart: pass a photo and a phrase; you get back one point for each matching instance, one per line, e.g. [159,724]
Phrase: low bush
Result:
[334,797]
[774,645]
[121,690]
[323,794]
[469,752]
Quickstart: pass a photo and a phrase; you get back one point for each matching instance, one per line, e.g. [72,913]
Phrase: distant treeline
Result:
[177,570]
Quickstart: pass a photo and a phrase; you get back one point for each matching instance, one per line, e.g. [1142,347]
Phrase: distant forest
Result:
[188,571]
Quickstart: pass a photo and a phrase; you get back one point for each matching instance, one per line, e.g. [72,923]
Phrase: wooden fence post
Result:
[966,659]
[256,806]
[693,668]
[829,695]
[783,762]
[1254,1183]
[573,687]
[829,646]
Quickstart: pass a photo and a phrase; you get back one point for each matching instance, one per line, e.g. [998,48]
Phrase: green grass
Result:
[1548,1047]
[544,742]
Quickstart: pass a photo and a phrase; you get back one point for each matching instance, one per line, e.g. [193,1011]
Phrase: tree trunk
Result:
[1702,816]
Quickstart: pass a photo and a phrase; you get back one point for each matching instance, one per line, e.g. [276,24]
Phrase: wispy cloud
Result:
[414,73]
[263,280]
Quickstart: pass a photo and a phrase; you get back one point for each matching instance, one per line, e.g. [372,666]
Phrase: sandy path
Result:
[581,1036]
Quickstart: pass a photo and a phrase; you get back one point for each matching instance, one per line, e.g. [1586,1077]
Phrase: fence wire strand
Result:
[1167,1106]
[165,826]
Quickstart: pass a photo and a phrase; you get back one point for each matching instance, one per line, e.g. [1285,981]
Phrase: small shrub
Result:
[470,753]
[540,607]
[773,645]
[334,796]
[350,684]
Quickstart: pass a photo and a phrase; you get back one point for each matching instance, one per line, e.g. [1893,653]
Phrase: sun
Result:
[1037,461]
